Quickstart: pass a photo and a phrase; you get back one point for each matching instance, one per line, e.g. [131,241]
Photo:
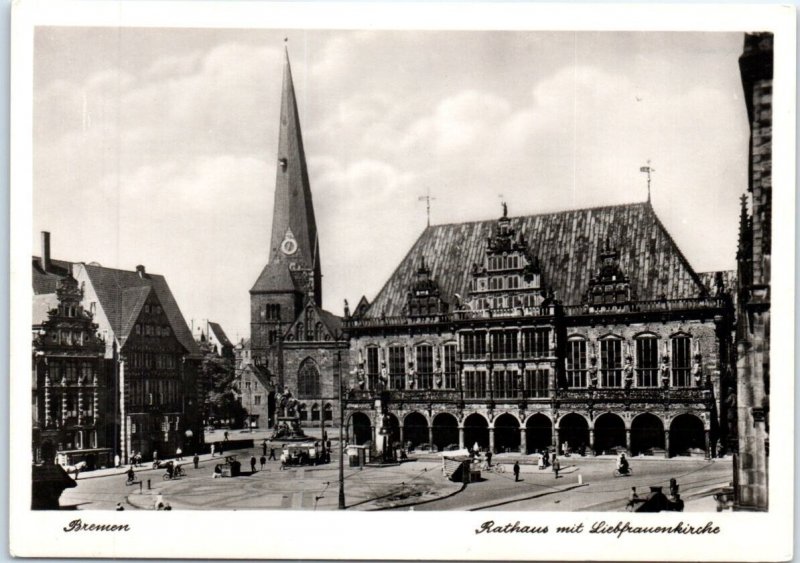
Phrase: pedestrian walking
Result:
[272,454]
[212,449]
[196,460]
[516,471]
[264,448]
[489,458]
[155,456]
[253,464]
[263,461]
[556,466]
[116,460]
[221,449]
[226,435]
[179,454]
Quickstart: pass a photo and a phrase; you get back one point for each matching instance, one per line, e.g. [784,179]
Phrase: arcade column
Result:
[666,444]
[591,441]
[430,435]
[523,441]
[557,440]
[708,443]
[460,437]
[628,439]
[491,439]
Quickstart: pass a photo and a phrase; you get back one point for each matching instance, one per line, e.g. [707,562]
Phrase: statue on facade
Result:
[627,372]
[697,371]
[411,376]
[346,309]
[437,374]
[593,372]
[664,369]
[361,376]
[383,378]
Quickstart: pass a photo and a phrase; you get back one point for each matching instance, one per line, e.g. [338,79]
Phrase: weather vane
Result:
[647,170]
[427,199]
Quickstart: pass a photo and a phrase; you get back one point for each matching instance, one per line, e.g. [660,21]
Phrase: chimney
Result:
[140,271]
[45,259]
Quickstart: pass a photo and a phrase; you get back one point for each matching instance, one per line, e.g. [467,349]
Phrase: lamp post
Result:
[341,431]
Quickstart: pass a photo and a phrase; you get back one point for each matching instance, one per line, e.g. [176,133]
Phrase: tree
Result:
[220,377]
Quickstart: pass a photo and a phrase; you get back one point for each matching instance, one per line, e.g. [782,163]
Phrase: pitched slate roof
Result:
[333,322]
[220,334]
[567,244]
[274,277]
[45,282]
[122,294]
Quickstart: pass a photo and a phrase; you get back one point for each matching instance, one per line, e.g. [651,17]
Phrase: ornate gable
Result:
[424,299]
[309,326]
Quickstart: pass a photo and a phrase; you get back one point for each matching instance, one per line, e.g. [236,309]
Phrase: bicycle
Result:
[618,473]
[177,473]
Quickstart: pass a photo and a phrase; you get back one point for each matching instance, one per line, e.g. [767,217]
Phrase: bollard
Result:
[580,479]
[140,487]
[148,484]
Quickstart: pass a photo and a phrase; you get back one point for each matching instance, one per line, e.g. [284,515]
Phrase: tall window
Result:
[536,342]
[424,366]
[576,363]
[397,367]
[328,412]
[504,344]
[315,412]
[308,380]
[647,361]
[475,384]
[505,384]
[681,361]
[474,345]
[373,367]
[450,367]
[611,362]
[537,383]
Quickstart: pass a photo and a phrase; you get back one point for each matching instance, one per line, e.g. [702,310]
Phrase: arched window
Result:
[450,366]
[315,412]
[328,412]
[302,412]
[681,361]
[647,360]
[576,362]
[318,332]
[308,380]
[611,362]
[298,335]
[424,353]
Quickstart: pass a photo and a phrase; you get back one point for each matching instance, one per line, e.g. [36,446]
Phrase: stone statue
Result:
[288,404]
[664,369]
[437,374]
[383,378]
[346,309]
[627,372]
[361,379]
[411,376]
[697,371]
[593,372]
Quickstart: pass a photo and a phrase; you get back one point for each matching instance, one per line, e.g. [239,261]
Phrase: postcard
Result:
[500,274]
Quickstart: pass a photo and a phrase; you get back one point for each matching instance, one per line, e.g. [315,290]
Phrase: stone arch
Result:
[328,412]
[308,379]
[445,430]
[573,430]
[506,433]
[609,433]
[315,412]
[539,433]
[476,429]
[647,434]
[359,428]
[415,429]
[687,434]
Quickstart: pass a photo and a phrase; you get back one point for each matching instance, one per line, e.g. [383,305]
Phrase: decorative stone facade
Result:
[751,467]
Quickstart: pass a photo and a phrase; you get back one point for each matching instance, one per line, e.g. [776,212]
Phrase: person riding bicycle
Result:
[177,472]
[170,470]
[622,465]
[131,474]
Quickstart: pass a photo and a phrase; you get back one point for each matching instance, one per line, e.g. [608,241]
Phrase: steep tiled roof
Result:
[45,282]
[567,244]
[43,304]
[122,294]
[275,277]
[220,334]
[728,279]
[333,322]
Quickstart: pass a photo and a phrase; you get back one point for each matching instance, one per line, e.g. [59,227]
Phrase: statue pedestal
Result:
[288,429]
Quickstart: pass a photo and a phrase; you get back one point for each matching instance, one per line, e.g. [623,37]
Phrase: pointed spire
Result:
[294,228]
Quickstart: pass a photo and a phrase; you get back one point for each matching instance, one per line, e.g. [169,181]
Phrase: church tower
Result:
[292,276]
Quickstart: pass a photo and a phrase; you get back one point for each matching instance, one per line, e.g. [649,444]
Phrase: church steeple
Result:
[293,243]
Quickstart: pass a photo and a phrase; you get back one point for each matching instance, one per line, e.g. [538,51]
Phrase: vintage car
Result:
[303,453]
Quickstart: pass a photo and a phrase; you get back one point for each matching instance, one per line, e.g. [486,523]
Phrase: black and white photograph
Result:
[283,268]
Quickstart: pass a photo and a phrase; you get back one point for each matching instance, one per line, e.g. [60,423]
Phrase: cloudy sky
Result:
[158,146]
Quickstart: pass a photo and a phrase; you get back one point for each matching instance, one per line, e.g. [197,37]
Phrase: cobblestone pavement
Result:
[584,484]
